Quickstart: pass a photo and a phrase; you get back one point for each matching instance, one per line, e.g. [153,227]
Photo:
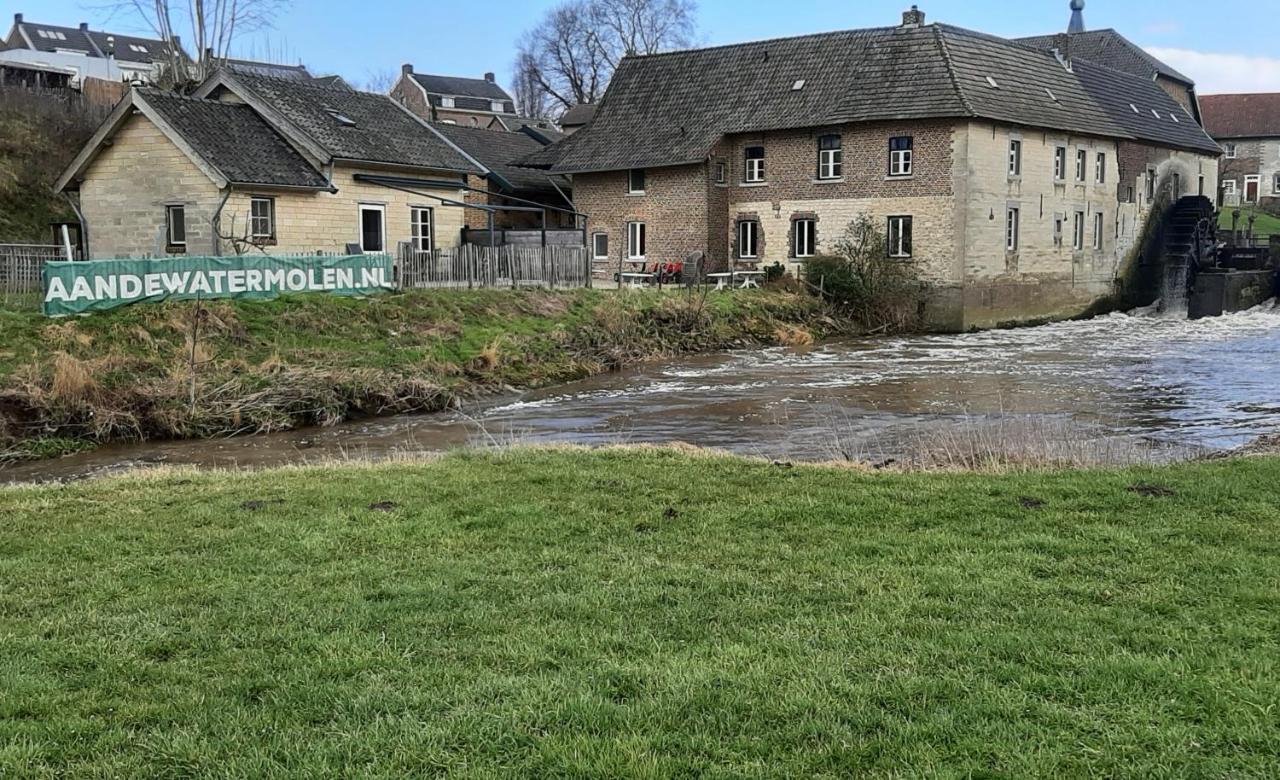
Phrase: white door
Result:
[373,228]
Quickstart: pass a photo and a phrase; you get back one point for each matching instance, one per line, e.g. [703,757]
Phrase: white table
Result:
[637,280]
[749,278]
[722,279]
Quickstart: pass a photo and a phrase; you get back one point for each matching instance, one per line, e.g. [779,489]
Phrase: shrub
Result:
[859,277]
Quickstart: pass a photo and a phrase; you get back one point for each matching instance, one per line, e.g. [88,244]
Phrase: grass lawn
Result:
[643,613]
[1266,224]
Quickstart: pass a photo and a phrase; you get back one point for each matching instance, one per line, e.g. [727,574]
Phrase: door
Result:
[1251,185]
[373,228]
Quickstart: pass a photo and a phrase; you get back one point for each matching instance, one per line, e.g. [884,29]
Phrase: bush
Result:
[878,292]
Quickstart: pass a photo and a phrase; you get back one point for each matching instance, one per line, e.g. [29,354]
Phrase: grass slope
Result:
[1266,224]
[643,613]
[262,366]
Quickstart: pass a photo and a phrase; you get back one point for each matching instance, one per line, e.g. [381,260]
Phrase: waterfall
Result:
[1173,289]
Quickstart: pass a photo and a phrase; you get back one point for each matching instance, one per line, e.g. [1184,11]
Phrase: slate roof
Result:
[497,150]
[670,109]
[255,68]
[1109,49]
[578,116]
[461,87]
[91,42]
[1242,116]
[381,130]
[156,51]
[235,140]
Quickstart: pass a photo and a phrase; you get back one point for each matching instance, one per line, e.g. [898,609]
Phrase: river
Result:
[1171,383]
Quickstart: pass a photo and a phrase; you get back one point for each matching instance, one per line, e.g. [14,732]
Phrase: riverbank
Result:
[642,613]
[180,371]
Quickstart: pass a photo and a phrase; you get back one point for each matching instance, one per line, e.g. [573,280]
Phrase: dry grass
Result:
[72,383]
[793,336]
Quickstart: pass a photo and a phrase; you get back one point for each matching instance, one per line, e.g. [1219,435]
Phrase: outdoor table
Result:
[722,279]
[748,278]
[636,280]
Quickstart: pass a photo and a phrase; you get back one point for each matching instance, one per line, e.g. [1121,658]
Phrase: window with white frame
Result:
[830,157]
[1058,221]
[1100,168]
[1097,230]
[635,181]
[176,225]
[806,234]
[899,237]
[1275,184]
[600,246]
[1082,164]
[1012,218]
[748,239]
[422,228]
[262,218]
[1060,164]
[636,241]
[1229,187]
[1077,232]
[373,227]
[1230,150]
[446,102]
[722,173]
[900,156]
[754,164]
[1015,157]
[1151,185]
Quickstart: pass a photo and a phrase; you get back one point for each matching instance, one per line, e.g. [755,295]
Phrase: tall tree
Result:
[569,57]
[209,27]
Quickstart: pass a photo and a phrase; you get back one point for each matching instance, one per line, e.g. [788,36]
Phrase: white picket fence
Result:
[469,266]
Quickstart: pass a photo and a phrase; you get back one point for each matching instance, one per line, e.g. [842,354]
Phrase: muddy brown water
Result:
[1211,384]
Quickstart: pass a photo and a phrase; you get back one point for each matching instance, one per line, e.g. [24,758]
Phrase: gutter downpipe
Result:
[84,224]
[217,221]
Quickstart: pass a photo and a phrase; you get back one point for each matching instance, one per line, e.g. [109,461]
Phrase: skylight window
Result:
[993,83]
[1174,117]
[339,117]
[137,48]
[1155,113]
[1052,96]
[1135,108]
[799,85]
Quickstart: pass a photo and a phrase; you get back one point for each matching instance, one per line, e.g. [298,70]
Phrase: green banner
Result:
[98,285]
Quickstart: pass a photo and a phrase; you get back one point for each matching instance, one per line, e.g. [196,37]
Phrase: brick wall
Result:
[408,94]
[673,208]
[1178,92]
[1254,157]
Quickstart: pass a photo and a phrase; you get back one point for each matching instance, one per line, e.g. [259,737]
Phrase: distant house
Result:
[284,165]
[506,184]
[577,117]
[78,53]
[454,100]
[1248,129]
[276,70]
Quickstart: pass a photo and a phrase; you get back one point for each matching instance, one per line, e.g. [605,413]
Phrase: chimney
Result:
[1062,49]
[489,77]
[84,27]
[913,18]
[17,18]
[406,69]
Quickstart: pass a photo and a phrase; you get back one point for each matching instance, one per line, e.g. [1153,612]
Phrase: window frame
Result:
[1100,168]
[754,233]
[1230,151]
[381,209]
[902,160]
[1015,158]
[1060,163]
[1099,224]
[905,225]
[1082,165]
[631,181]
[753,170]
[169,223]
[722,172]
[810,238]
[831,158]
[1012,228]
[1077,232]
[270,235]
[1059,228]
[1275,184]
[637,234]
[595,245]
[415,228]
[1230,186]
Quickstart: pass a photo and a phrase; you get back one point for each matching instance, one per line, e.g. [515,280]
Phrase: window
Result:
[1230,149]
[600,246]
[722,173]
[1077,232]
[373,228]
[830,157]
[1082,164]
[635,181]
[1229,187]
[1275,184]
[1097,231]
[1011,219]
[748,239]
[262,218]
[1060,164]
[899,237]
[446,102]
[1151,185]
[176,225]
[1100,168]
[1058,219]
[421,224]
[900,156]
[806,234]
[1015,157]
[340,117]
[635,241]
[495,106]
[754,171]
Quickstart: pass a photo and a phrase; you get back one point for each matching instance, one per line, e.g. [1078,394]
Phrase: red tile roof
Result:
[1242,116]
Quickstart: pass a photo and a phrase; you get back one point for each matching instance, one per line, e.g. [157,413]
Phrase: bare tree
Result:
[571,55]
[380,81]
[208,26]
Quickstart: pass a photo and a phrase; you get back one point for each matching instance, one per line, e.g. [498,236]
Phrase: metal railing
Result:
[22,272]
[470,267]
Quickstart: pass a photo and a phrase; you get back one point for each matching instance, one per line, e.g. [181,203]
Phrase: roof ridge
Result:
[775,39]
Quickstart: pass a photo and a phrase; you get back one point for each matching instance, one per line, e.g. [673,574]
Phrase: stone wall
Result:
[1254,157]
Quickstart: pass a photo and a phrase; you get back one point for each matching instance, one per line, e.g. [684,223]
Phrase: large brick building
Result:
[454,99]
[1018,179]
[1248,128]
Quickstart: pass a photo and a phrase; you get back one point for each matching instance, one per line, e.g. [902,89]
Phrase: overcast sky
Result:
[469,37]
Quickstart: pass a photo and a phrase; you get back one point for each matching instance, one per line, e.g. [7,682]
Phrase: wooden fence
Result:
[470,266]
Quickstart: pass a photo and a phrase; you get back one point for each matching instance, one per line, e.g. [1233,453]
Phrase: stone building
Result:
[1017,180]
[1248,128]
[454,100]
[282,165]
